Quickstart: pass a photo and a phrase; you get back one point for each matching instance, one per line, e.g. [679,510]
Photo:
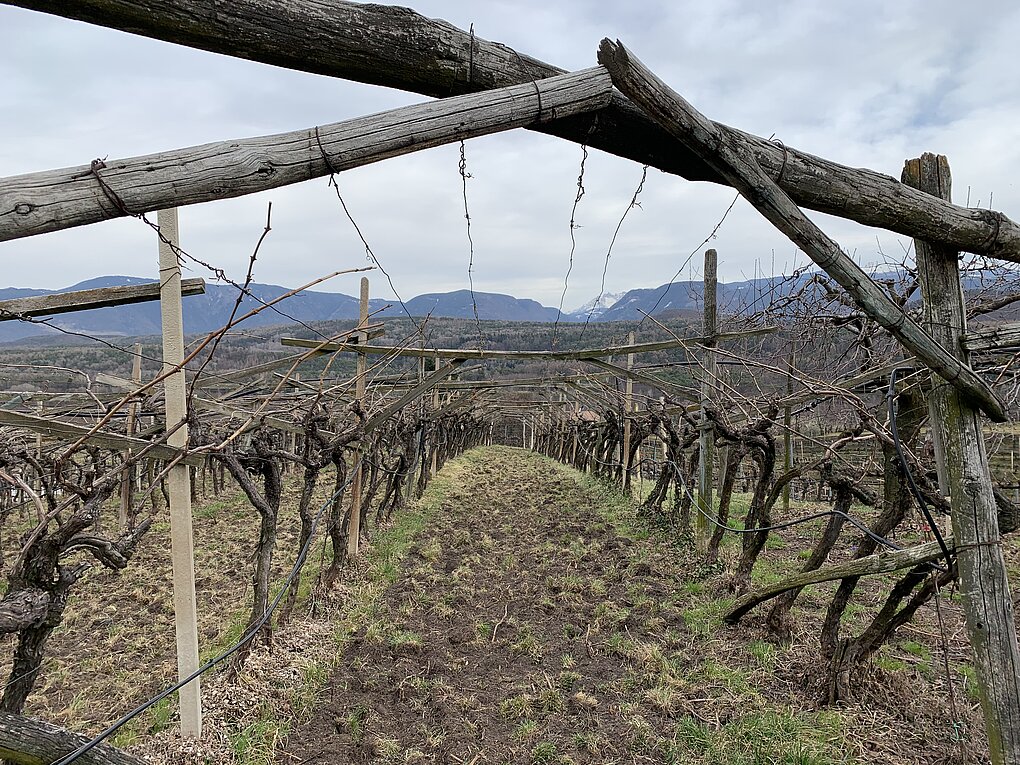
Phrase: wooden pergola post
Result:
[434,466]
[179,479]
[628,405]
[127,479]
[788,432]
[354,528]
[956,423]
[706,503]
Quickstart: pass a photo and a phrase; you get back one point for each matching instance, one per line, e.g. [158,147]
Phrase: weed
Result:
[544,751]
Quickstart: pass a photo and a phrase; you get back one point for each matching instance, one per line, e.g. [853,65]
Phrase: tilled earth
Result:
[502,639]
[535,621]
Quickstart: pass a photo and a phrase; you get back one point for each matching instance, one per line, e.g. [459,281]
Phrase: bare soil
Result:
[535,620]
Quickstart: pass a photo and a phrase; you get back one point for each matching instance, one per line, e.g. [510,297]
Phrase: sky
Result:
[863,83]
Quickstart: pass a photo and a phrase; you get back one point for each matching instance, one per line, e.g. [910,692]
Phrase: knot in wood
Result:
[24,208]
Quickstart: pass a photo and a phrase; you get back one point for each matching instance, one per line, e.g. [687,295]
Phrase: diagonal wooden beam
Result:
[398,48]
[84,300]
[57,199]
[740,167]
[643,377]
[412,395]
[67,431]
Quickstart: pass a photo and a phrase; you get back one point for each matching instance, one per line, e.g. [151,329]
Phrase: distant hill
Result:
[204,313]
[458,305]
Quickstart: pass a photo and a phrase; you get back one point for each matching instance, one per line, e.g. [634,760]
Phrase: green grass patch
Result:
[760,738]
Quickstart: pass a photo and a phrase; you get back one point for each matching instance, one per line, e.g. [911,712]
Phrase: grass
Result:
[759,738]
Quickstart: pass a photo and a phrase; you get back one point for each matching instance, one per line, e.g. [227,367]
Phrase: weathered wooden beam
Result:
[956,426]
[233,412]
[175,405]
[709,392]
[84,300]
[643,377]
[476,353]
[223,379]
[1000,337]
[25,741]
[879,563]
[412,395]
[398,48]
[57,199]
[67,431]
[734,161]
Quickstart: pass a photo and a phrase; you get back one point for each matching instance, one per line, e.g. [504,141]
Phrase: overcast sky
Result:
[862,83]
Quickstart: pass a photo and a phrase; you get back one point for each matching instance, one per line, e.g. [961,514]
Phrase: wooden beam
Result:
[419,390]
[66,431]
[84,300]
[359,339]
[879,563]
[25,740]
[476,353]
[709,391]
[395,47]
[956,425]
[735,162]
[999,337]
[642,377]
[38,203]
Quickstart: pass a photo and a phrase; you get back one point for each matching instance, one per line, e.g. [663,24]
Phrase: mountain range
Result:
[204,313]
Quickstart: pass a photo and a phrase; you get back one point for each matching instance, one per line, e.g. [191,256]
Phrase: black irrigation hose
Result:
[890,397]
[244,640]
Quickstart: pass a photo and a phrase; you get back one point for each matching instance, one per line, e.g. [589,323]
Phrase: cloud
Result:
[865,84]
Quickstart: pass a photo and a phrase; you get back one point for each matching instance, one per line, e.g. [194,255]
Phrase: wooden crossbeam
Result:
[412,395]
[197,402]
[57,199]
[739,166]
[84,300]
[1001,337]
[643,377]
[476,353]
[47,426]
[397,48]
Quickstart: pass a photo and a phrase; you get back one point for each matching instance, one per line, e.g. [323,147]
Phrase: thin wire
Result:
[694,252]
[890,397]
[573,239]
[605,269]
[464,175]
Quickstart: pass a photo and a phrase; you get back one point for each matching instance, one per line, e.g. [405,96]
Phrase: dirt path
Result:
[502,639]
[535,621]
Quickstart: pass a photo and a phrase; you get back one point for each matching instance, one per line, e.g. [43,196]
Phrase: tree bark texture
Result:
[38,203]
[988,605]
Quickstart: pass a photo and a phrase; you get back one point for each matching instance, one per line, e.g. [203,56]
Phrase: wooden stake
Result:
[787,434]
[127,479]
[179,480]
[706,503]
[434,466]
[984,583]
[354,529]
[628,406]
